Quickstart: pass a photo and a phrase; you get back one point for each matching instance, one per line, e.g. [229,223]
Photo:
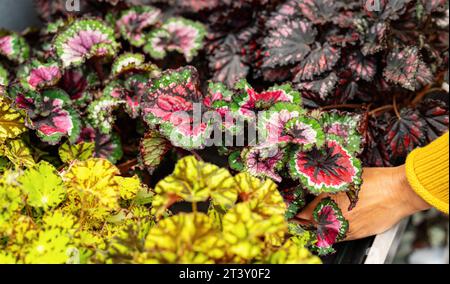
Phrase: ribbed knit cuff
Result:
[427,173]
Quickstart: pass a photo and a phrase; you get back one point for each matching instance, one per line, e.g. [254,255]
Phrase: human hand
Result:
[385,198]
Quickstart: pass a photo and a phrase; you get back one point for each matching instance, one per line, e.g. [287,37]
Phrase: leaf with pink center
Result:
[78,83]
[83,40]
[133,23]
[14,47]
[219,97]
[329,169]
[305,131]
[345,128]
[54,117]
[272,123]
[251,101]
[169,104]
[263,162]
[37,75]
[176,34]
[331,226]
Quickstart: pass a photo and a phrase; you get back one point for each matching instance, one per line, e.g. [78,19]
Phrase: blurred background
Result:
[426,238]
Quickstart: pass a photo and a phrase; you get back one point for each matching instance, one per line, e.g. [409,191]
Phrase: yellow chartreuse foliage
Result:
[89,213]
[94,188]
[195,181]
[11,121]
[12,125]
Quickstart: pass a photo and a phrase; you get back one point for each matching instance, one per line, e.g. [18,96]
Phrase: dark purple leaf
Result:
[289,43]
[405,133]
[320,60]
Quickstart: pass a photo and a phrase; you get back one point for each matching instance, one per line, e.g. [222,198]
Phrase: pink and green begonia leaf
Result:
[131,63]
[125,62]
[176,34]
[85,39]
[4,76]
[100,113]
[250,101]
[54,117]
[304,131]
[330,169]
[331,226]
[169,104]
[218,97]
[345,128]
[294,199]
[37,75]
[235,161]
[272,123]
[78,83]
[128,93]
[133,22]
[14,47]
[264,162]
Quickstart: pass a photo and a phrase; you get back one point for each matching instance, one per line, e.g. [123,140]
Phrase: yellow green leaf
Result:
[195,181]
[80,152]
[10,198]
[291,253]
[18,153]
[11,121]
[50,247]
[128,187]
[92,187]
[262,195]
[43,186]
[185,238]
[245,230]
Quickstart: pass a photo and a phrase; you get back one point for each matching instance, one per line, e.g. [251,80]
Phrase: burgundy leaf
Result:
[322,87]
[318,11]
[405,133]
[363,67]
[318,61]
[406,68]
[289,43]
[227,62]
[435,115]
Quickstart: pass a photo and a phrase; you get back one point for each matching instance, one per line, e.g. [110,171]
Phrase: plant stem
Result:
[194,207]
[127,165]
[99,69]
[381,109]
[342,106]
[196,155]
[419,97]
[394,103]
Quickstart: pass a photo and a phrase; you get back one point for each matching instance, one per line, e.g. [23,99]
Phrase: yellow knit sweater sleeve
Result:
[427,172]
